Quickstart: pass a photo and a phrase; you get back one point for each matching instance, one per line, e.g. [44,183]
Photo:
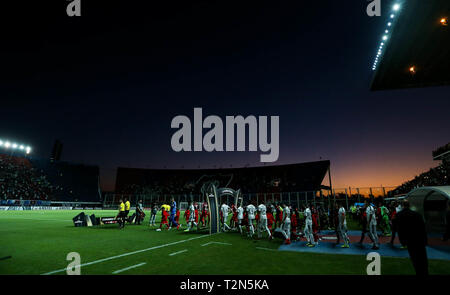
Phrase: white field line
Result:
[38,219]
[267,249]
[127,268]
[175,253]
[126,254]
[219,243]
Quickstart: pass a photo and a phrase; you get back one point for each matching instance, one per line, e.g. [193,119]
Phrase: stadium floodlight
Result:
[395,8]
[15,146]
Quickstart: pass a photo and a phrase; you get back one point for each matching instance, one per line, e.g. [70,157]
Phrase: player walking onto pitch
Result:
[225,209]
[153,215]
[384,214]
[164,217]
[173,212]
[372,224]
[204,214]
[262,224]
[286,224]
[234,220]
[240,216]
[191,222]
[251,210]
[308,227]
[140,215]
[343,227]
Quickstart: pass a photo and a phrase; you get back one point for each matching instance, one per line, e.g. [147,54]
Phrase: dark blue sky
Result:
[108,84]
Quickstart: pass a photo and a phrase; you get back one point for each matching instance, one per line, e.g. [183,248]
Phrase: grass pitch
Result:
[38,243]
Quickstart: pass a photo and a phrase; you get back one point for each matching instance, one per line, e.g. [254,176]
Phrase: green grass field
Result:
[39,241]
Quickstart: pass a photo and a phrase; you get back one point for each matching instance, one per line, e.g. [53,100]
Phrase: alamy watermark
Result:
[374,267]
[213,139]
[74,8]
[374,8]
[74,267]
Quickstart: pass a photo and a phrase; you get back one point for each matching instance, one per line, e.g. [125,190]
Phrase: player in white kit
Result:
[240,216]
[262,224]
[372,225]
[225,209]
[251,210]
[343,227]
[286,224]
[308,227]
[191,222]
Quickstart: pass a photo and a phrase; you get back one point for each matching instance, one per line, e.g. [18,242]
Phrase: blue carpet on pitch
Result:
[386,250]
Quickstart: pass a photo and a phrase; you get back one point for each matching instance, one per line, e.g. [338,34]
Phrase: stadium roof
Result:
[442,153]
[294,177]
[414,49]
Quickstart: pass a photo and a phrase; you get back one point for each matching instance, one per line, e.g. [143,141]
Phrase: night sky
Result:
[108,83]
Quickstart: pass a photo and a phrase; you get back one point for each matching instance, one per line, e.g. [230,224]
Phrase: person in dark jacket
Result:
[447,224]
[412,234]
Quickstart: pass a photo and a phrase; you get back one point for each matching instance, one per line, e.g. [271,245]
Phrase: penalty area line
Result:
[126,254]
[127,268]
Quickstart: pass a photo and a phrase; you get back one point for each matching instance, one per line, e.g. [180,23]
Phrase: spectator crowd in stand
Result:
[20,180]
[434,177]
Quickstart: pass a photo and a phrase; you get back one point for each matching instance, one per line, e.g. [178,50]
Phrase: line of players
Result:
[265,219]
[268,218]
[278,216]
[196,216]
[287,220]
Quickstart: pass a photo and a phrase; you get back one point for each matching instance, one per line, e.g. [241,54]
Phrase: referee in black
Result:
[121,215]
[412,234]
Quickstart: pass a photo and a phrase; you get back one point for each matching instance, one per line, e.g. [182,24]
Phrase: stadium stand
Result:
[27,181]
[20,180]
[442,153]
[438,176]
[294,177]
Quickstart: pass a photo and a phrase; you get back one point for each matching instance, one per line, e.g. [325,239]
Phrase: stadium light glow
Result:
[412,69]
[15,146]
[396,9]
[444,21]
